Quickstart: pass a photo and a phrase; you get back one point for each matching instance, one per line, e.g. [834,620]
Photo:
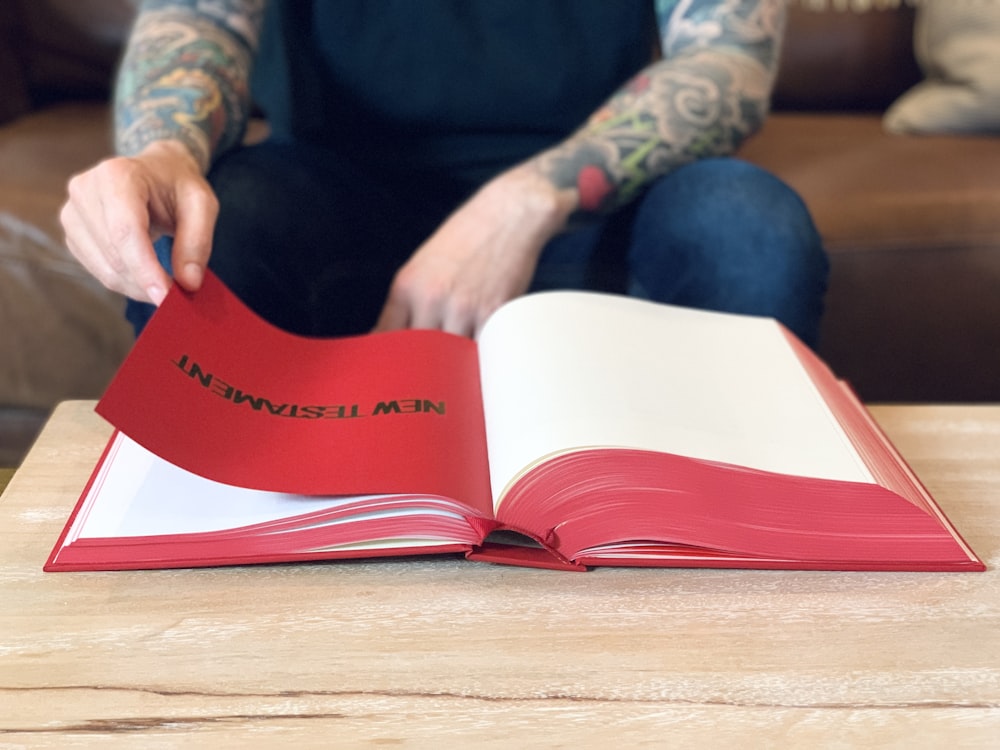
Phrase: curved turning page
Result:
[217,391]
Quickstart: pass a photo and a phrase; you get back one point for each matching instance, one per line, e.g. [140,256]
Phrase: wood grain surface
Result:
[446,653]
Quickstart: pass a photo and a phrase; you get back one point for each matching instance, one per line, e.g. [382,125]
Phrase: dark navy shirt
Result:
[462,86]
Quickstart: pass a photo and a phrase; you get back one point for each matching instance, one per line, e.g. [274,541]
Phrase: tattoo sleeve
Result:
[185,75]
[709,90]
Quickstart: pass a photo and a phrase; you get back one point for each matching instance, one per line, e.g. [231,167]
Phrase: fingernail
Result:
[156,293]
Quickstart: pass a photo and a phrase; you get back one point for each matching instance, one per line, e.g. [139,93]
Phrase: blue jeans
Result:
[311,241]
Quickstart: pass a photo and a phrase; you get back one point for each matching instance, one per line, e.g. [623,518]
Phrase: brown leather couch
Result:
[912,223]
[61,335]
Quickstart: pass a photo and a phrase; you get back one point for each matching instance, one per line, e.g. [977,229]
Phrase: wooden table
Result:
[446,653]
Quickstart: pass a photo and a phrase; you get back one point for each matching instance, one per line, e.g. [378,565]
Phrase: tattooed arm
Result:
[185,75]
[708,92]
[182,97]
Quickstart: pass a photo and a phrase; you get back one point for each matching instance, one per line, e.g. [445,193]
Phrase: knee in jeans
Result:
[734,217]
[725,234]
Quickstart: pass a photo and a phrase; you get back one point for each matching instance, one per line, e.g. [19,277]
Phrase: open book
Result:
[580,429]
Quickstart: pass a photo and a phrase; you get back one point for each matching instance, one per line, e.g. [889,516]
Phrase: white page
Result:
[567,370]
[143,495]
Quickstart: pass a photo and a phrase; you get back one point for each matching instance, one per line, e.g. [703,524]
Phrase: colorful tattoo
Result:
[710,90]
[185,75]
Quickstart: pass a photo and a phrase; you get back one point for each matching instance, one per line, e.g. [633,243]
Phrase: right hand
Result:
[117,209]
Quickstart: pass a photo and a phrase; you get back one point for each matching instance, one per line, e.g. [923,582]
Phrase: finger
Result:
[426,315]
[82,218]
[459,318]
[394,315]
[130,248]
[82,246]
[481,319]
[197,209]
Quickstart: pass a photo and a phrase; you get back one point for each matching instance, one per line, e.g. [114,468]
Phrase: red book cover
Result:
[246,403]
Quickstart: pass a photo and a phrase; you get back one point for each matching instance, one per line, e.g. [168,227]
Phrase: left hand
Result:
[483,255]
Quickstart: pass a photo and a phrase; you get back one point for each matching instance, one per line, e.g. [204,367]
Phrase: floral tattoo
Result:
[185,75]
[709,91]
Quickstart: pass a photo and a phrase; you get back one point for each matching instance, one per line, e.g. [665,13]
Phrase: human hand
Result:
[117,209]
[483,255]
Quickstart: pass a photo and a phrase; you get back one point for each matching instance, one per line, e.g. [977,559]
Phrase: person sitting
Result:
[429,161]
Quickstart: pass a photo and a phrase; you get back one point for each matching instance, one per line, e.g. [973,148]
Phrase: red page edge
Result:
[488,552]
[176,563]
[51,563]
[870,441]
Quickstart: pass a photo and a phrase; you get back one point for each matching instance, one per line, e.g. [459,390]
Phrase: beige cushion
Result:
[957,43]
[62,335]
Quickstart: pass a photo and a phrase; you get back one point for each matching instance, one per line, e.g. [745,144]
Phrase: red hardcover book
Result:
[579,429]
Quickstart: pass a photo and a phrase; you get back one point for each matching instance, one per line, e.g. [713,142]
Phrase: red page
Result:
[726,513]
[216,390]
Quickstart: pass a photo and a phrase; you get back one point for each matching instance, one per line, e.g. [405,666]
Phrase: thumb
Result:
[394,315]
[197,209]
